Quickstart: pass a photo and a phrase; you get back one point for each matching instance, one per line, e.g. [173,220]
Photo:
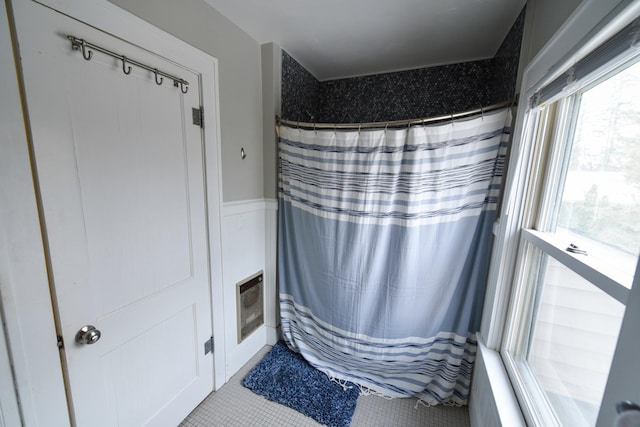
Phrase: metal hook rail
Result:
[85,47]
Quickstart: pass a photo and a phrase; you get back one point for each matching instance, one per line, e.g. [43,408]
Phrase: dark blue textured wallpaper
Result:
[402,95]
[506,63]
[300,92]
[423,92]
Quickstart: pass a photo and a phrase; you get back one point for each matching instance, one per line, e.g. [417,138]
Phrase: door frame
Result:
[25,295]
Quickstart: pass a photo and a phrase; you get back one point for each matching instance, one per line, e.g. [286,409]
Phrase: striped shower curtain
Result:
[383,251]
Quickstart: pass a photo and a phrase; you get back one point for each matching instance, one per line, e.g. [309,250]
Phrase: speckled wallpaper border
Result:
[423,92]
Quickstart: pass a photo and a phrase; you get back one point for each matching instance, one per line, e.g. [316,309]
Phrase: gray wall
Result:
[271,107]
[544,18]
[239,61]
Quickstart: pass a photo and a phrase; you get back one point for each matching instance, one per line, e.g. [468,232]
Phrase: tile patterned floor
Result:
[236,406]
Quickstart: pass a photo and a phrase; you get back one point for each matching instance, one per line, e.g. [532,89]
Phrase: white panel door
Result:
[120,172]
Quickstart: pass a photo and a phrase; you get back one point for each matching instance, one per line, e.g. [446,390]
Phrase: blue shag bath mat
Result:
[284,376]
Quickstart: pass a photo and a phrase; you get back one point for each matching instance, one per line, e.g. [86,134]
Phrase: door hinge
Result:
[208,346]
[198,116]
[60,342]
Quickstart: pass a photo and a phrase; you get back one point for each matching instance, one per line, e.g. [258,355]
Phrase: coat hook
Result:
[243,154]
[184,85]
[79,44]
[124,63]
[158,82]
[86,53]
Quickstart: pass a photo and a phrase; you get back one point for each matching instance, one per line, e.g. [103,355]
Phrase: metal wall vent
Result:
[250,305]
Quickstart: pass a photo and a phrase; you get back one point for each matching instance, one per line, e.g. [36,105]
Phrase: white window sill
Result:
[499,400]
[592,268]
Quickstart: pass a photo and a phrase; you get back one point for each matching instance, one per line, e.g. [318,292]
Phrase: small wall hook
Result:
[125,69]
[79,44]
[243,154]
[86,53]
[158,82]
[184,85]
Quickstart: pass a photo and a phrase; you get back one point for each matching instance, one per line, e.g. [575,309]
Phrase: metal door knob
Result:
[88,335]
[626,405]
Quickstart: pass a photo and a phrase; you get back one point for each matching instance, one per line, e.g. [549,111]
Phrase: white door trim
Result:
[25,298]
[24,287]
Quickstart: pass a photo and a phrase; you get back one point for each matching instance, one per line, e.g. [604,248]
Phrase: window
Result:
[579,243]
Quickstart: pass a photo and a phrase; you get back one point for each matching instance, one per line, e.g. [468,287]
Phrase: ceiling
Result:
[345,38]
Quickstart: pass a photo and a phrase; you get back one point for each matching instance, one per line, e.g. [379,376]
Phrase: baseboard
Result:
[272,335]
[244,351]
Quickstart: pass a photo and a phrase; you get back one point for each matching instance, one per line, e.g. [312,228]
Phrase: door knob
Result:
[626,405]
[88,335]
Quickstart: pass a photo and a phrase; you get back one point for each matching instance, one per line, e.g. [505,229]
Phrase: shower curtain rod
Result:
[396,123]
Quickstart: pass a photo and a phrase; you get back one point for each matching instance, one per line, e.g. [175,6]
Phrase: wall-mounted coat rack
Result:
[87,53]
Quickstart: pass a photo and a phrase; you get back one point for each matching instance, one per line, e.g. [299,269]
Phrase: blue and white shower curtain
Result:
[384,239]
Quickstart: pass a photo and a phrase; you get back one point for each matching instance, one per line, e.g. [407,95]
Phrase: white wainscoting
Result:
[272,311]
[248,246]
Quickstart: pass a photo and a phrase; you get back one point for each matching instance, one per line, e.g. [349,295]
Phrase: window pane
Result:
[601,197]
[573,338]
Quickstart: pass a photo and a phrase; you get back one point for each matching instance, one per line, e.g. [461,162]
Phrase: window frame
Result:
[515,228]
[551,140]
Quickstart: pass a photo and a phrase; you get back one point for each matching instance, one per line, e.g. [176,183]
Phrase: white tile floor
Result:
[235,405]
